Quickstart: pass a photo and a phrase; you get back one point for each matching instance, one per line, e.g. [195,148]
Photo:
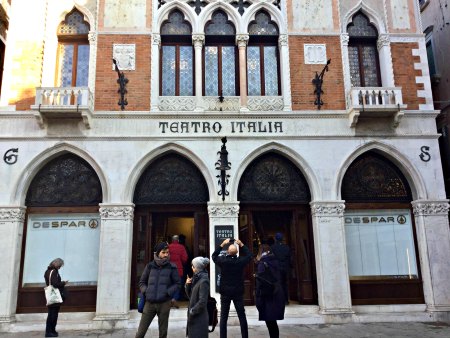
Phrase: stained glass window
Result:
[262,57]
[177,56]
[362,52]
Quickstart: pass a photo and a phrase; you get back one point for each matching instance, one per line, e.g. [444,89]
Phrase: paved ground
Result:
[370,330]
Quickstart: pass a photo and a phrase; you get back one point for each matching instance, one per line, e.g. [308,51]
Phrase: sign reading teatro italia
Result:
[228,127]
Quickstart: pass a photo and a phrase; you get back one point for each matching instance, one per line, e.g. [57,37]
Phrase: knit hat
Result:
[200,263]
[279,236]
[161,246]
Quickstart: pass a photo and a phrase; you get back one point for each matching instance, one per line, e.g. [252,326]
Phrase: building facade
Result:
[222,119]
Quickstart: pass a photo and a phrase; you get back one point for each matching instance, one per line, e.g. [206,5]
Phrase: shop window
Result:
[220,57]
[73,51]
[177,56]
[363,53]
[263,57]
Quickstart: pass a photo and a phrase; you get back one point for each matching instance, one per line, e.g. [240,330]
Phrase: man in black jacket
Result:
[159,282]
[283,253]
[231,286]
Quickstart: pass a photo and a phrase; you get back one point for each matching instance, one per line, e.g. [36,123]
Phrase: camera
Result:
[232,241]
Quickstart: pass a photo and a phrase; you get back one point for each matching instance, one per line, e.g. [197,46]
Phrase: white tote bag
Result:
[52,294]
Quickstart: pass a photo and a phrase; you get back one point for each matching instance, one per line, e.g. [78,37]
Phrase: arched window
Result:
[73,51]
[362,52]
[177,56]
[220,75]
[262,57]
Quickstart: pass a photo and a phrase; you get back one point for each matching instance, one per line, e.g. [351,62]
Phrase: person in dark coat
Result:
[53,309]
[197,290]
[231,286]
[159,282]
[270,308]
[179,257]
[283,253]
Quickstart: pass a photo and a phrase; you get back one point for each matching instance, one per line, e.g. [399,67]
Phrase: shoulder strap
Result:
[50,278]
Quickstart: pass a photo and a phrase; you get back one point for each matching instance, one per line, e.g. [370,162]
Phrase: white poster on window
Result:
[380,243]
[73,237]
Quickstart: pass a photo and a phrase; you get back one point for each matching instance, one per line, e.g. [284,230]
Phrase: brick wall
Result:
[405,74]
[106,86]
[302,89]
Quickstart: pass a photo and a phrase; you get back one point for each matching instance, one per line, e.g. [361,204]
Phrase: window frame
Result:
[75,41]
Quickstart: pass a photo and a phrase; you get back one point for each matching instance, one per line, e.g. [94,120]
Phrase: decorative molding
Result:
[327,209]
[345,38]
[430,208]
[383,41]
[230,103]
[156,39]
[109,211]
[223,211]
[125,56]
[198,40]
[405,39]
[265,103]
[92,37]
[12,214]
[176,103]
[315,54]
[242,40]
[283,40]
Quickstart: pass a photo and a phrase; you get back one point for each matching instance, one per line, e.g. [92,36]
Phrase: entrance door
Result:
[258,225]
[153,225]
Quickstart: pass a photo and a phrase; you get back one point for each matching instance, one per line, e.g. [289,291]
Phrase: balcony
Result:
[375,102]
[63,103]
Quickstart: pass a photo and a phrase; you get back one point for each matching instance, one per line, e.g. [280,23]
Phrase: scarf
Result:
[161,261]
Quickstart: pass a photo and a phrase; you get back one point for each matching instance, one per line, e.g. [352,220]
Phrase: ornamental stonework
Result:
[326,209]
[117,212]
[430,208]
[12,214]
[220,211]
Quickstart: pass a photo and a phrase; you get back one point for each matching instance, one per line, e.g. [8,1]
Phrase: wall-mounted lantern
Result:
[122,81]
[223,165]
[317,82]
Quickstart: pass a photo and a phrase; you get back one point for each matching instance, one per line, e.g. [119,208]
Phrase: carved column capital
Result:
[430,208]
[156,39]
[12,214]
[198,40]
[283,40]
[383,40]
[242,40]
[92,37]
[223,210]
[345,38]
[328,208]
[114,211]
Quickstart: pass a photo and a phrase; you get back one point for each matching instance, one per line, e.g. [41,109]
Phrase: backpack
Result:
[212,313]
[266,282]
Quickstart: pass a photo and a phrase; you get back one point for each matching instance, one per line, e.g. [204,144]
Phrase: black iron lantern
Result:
[122,81]
[317,82]
[223,165]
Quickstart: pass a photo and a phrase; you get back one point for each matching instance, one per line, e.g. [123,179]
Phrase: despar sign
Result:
[88,222]
[377,219]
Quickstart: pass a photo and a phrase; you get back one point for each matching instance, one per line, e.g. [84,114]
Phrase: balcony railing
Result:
[63,102]
[375,102]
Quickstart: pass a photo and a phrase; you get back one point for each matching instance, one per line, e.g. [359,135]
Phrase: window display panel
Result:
[73,237]
[380,244]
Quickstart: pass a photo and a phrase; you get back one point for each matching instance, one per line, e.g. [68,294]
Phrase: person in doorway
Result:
[52,277]
[231,286]
[270,306]
[283,253]
[186,266]
[159,283]
[179,257]
[197,290]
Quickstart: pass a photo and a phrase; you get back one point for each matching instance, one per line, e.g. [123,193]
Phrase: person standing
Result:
[52,277]
[159,282]
[283,253]
[231,286]
[270,307]
[197,290]
[179,257]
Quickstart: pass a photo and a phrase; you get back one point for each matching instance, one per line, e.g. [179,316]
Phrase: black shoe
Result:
[54,332]
[51,334]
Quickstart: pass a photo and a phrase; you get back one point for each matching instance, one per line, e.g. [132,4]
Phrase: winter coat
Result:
[198,292]
[283,254]
[159,283]
[178,255]
[271,307]
[56,282]
[232,271]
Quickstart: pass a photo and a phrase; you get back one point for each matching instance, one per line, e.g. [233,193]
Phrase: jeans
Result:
[52,318]
[238,302]
[150,311]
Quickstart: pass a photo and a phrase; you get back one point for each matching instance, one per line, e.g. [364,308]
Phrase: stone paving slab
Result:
[366,330]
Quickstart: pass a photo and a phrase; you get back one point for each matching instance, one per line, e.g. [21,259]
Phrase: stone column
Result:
[198,40]
[346,64]
[433,236]
[114,268]
[285,72]
[156,45]
[11,233]
[384,53]
[331,259]
[242,40]
[92,36]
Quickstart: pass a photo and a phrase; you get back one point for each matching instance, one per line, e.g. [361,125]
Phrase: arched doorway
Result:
[63,221]
[170,199]
[380,233]
[274,197]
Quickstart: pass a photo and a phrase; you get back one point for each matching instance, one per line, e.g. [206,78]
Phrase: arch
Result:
[294,157]
[232,14]
[144,162]
[371,14]
[413,177]
[39,161]
[274,12]
[163,15]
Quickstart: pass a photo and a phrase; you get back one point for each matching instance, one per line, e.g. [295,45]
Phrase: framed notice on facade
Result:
[221,232]
[380,244]
[73,237]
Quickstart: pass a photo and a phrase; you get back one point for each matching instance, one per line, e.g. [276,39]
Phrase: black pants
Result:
[273,328]
[238,302]
[52,318]
[284,285]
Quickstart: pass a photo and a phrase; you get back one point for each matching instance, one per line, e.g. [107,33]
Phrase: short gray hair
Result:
[56,263]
